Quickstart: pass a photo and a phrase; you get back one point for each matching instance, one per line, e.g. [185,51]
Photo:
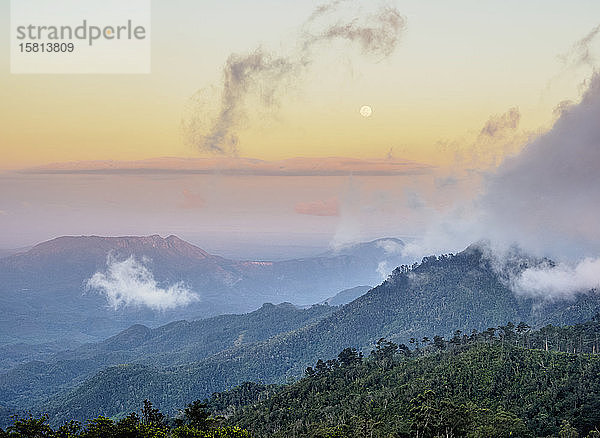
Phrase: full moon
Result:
[366,111]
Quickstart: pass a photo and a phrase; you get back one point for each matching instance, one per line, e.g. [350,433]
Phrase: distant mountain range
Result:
[43,296]
[437,296]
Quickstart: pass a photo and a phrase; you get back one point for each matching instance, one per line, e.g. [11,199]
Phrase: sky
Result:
[463,86]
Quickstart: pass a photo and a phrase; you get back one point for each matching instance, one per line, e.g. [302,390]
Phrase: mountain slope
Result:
[438,296]
[487,389]
[43,298]
[348,295]
[173,344]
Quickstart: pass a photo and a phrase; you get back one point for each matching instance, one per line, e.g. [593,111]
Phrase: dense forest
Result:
[192,422]
[487,384]
[506,381]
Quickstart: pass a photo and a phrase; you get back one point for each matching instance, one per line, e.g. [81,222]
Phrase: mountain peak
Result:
[101,244]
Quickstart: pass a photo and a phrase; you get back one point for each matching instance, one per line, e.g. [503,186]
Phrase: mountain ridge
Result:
[43,290]
[439,295]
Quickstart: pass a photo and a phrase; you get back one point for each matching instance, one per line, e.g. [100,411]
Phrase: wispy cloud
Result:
[265,74]
[581,52]
[128,283]
[500,125]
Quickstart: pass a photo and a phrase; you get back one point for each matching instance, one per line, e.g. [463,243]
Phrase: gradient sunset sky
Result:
[457,67]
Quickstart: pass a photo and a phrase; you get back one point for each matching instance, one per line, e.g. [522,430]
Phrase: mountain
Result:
[347,295]
[177,343]
[43,295]
[440,295]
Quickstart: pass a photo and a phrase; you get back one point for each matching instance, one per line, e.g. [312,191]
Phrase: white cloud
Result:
[129,283]
[560,281]
[390,246]
[383,269]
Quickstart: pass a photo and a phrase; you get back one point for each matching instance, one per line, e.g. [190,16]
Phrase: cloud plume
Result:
[264,74]
[260,72]
[377,34]
[546,197]
[499,125]
[563,281]
[128,283]
[581,52]
[543,199]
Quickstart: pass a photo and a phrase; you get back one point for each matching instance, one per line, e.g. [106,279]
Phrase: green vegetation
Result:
[193,422]
[477,385]
[440,295]
[177,343]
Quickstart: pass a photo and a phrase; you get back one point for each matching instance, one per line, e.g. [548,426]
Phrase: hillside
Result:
[176,343]
[481,388]
[476,385]
[440,295]
[348,295]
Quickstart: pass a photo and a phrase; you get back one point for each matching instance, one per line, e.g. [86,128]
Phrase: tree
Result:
[100,427]
[384,353]
[349,356]
[30,427]
[128,427]
[152,416]
[68,430]
[567,431]
[197,416]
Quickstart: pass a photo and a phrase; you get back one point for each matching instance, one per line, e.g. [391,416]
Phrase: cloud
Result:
[377,34]
[259,72]
[546,197]
[581,52]
[325,8]
[128,283]
[383,269]
[500,136]
[264,74]
[348,229]
[328,207]
[191,200]
[560,281]
[390,246]
[500,125]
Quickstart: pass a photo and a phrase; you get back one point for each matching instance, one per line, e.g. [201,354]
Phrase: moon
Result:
[366,111]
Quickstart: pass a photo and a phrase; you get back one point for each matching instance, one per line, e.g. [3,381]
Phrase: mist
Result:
[562,281]
[129,283]
[543,199]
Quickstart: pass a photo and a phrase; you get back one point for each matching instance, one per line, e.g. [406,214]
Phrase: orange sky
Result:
[453,68]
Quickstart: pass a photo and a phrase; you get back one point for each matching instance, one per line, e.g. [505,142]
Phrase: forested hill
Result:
[177,343]
[440,295]
[478,385]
